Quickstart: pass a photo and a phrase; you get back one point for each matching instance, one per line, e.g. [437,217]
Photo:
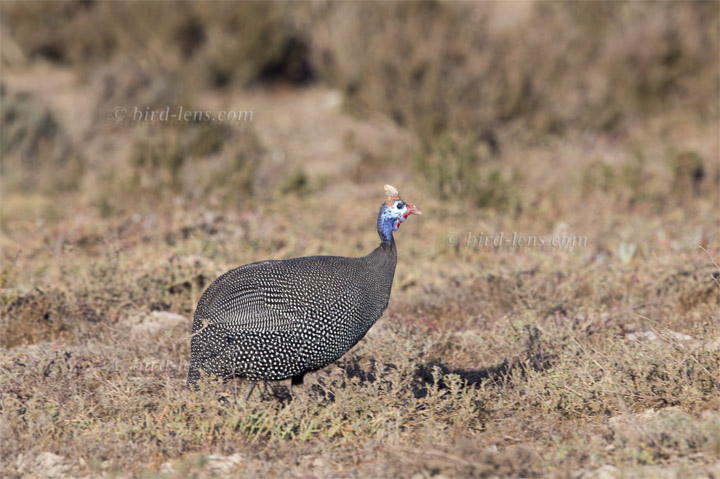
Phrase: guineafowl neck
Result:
[386,234]
[389,246]
[382,261]
[385,224]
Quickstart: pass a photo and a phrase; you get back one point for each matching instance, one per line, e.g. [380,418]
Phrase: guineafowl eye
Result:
[400,205]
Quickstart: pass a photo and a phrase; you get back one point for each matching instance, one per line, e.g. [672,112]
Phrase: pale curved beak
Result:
[412,209]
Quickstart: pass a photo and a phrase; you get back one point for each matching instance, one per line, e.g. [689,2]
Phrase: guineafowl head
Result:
[392,213]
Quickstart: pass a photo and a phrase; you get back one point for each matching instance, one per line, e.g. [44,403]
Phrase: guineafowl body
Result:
[279,319]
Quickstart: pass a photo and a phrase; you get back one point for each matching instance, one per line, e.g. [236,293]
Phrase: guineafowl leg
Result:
[297,380]
[252,387]
[296,384]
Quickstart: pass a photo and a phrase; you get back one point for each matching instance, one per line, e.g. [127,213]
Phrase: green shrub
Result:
[462,167]
[196,160]
[36,151]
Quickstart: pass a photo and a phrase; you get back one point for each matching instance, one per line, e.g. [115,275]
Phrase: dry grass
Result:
[492,361]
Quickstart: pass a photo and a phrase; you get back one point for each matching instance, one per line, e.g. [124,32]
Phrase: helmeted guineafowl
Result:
[275,320]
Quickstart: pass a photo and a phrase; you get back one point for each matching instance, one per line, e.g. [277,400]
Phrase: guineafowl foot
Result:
[268,389]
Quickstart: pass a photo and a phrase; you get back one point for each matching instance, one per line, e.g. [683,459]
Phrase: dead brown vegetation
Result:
[594,121]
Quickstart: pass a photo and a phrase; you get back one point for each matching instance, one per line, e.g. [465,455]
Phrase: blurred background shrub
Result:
[548,66]
[467,79]
[433,66]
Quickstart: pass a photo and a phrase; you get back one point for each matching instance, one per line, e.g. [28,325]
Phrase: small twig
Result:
[715,278]
[674,342]
[567,388]
[572,336]
[205,324]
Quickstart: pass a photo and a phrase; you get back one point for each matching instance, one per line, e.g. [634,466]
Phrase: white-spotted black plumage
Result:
[276,320]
